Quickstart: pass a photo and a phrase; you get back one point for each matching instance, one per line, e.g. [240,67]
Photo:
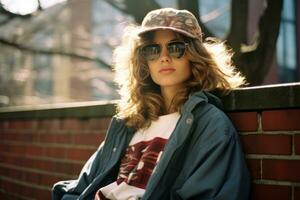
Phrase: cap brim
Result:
[149,29]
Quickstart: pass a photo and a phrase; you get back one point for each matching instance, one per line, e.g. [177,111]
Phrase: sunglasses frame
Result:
[160,48]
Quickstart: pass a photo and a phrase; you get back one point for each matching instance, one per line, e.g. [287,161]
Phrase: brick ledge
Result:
[270,97]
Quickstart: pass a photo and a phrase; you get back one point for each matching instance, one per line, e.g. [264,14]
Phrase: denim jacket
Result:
[202,159]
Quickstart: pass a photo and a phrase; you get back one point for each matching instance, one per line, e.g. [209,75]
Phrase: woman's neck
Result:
[168,94]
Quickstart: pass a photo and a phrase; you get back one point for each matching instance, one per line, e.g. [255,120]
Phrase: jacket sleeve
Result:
[219,170]
[87,174]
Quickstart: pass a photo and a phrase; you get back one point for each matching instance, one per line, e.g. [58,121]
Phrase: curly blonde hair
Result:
[141,101]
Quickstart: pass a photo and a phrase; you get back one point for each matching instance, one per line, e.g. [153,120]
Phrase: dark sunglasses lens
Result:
[176,49]
[151,52]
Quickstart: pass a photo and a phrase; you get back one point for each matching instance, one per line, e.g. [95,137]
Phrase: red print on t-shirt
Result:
[139,162]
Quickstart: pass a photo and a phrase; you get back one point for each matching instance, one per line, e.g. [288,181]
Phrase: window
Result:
[286,44]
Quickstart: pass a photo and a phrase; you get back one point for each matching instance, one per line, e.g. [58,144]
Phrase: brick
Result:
[31,177]
[254,168]
[47,138]
[284,170]
[55,138]
[274,192]
[49,124]
[77,168]
[281,120]
[79,154]
[19,137]
[25,149]
[244,121]
[45,165]
[72,124]
[30,124]
[105,122]
[72,169]
[64,139]
[35,150]
[28,190]
[8,136]
[297,144]
[16,124]
[3,148]
[97,124]
[11,148]
[22,149]
[22,124]
[88,139]
[3,124]
[55,152]
[50,180]
[267,144]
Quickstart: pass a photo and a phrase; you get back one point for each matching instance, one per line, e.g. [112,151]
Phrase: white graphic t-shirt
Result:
[139,161]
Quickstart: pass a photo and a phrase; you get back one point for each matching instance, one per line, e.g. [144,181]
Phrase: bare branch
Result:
[238,27]
[53,52]
[256,63]
[135,8]
[33,25]
[193,6]
[268,34]
[10,15]
[40,5]
[8,19]
[115,5]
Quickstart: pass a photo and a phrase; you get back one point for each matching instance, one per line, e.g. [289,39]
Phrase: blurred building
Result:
[286,63]
[67,54]
[64,52]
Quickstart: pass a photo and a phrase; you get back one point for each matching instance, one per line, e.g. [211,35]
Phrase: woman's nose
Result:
[164,56]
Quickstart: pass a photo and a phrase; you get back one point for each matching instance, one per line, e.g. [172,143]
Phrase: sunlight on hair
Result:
[222,56]
[141,101]
[123,61]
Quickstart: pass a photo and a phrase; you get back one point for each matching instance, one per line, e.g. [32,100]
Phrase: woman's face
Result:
[168,71]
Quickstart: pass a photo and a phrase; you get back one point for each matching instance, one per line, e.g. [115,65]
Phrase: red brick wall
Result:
[34,154]
[43,148]
[271,141]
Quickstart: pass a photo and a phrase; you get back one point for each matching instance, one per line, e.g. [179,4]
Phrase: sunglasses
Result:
[175,49]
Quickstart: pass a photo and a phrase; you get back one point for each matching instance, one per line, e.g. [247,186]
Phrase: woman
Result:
[169,139]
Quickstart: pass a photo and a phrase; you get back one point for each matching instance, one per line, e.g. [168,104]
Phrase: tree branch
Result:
[193,6]
[33,25]
[10,16]
[256,63]
[8,19]
[115,5]
[268,33]
[135,8]
[53,52]
[40,5]
[238,26]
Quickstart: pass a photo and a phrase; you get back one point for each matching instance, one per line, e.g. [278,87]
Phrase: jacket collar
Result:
[201,97]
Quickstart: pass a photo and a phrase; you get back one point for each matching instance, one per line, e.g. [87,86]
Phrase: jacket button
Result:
[114,149]
[189,120]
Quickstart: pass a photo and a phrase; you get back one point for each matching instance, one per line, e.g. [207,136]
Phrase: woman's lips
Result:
[167,70]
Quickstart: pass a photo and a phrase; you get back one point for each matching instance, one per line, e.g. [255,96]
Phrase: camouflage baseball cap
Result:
[181,21]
